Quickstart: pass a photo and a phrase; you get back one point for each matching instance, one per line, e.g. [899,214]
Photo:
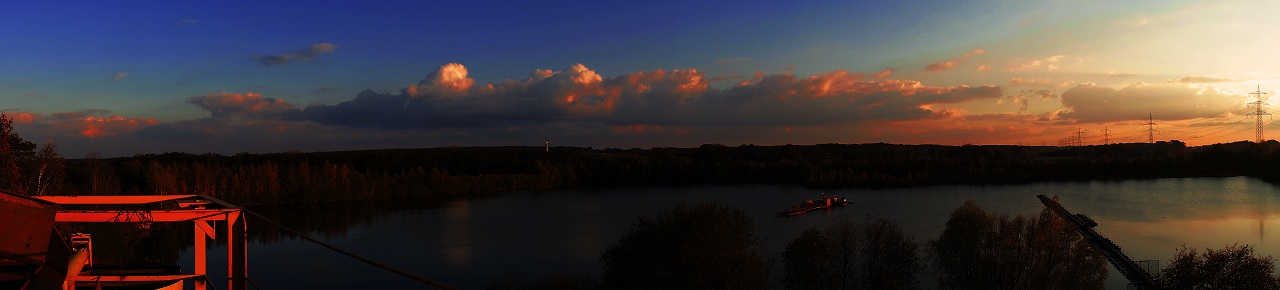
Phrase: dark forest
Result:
[296,177]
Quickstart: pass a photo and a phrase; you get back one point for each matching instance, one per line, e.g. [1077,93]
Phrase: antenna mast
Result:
[1258,111]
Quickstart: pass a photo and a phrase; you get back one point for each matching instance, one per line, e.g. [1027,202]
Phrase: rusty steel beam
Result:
[133,278]
[108,216]
[112,199]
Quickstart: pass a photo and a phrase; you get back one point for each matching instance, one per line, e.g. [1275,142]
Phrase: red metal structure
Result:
[196,209]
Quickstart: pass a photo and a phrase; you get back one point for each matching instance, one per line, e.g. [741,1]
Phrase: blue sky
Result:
[126,77]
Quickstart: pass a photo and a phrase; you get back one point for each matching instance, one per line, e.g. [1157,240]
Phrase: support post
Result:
[203,231]
[237,255]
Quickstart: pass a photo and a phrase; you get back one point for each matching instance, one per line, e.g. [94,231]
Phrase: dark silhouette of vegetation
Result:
[550,282]
[395,173]
[11,154]
[23,170]
[981,251]
[872,255]
[1232,267]
[705,246]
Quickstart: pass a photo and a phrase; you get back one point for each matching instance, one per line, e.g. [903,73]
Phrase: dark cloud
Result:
[447,98]
[1090,103]
[574,106]
[248,105]
[300,55]
[725,78]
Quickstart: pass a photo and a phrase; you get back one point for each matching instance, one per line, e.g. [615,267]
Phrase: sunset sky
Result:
[126,77]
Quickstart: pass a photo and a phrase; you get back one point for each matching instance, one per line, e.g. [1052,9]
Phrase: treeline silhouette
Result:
[710,246]
[461,171]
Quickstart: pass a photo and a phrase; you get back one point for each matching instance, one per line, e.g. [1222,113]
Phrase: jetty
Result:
[1138,277]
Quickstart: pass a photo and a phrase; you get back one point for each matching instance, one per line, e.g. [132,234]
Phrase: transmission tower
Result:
[1106,136]
[1151,128]
[1258,111]
[1079,137]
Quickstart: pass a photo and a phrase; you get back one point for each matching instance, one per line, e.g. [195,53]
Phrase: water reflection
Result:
[533,234]
[456,239]
[587,231]
[330,220]
[1262,230]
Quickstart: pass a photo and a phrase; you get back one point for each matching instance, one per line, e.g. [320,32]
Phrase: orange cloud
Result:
[1038,82]
[85,124]
[1112,74]
[1048,63]
[953,62]
[580,90]
[247,105]
[986,129]
[1205,79]
[449,80]
[22,117]
[95,127]
[984,67]
[940,66]
[883,74]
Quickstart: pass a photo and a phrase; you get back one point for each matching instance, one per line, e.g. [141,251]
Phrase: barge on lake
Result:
[812,205]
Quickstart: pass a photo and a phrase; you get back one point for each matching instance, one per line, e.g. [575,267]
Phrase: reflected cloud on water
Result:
[456,241]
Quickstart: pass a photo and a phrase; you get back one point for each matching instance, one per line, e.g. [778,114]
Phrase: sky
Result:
[134,77]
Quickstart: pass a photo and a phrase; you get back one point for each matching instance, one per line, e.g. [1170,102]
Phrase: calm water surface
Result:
[467,243]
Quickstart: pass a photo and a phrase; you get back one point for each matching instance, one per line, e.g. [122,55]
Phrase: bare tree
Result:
[102,178]
[980,251]
[706,246]
[872,255]
[48,171]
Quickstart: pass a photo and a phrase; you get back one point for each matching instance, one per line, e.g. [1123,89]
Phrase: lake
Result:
[466,243]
